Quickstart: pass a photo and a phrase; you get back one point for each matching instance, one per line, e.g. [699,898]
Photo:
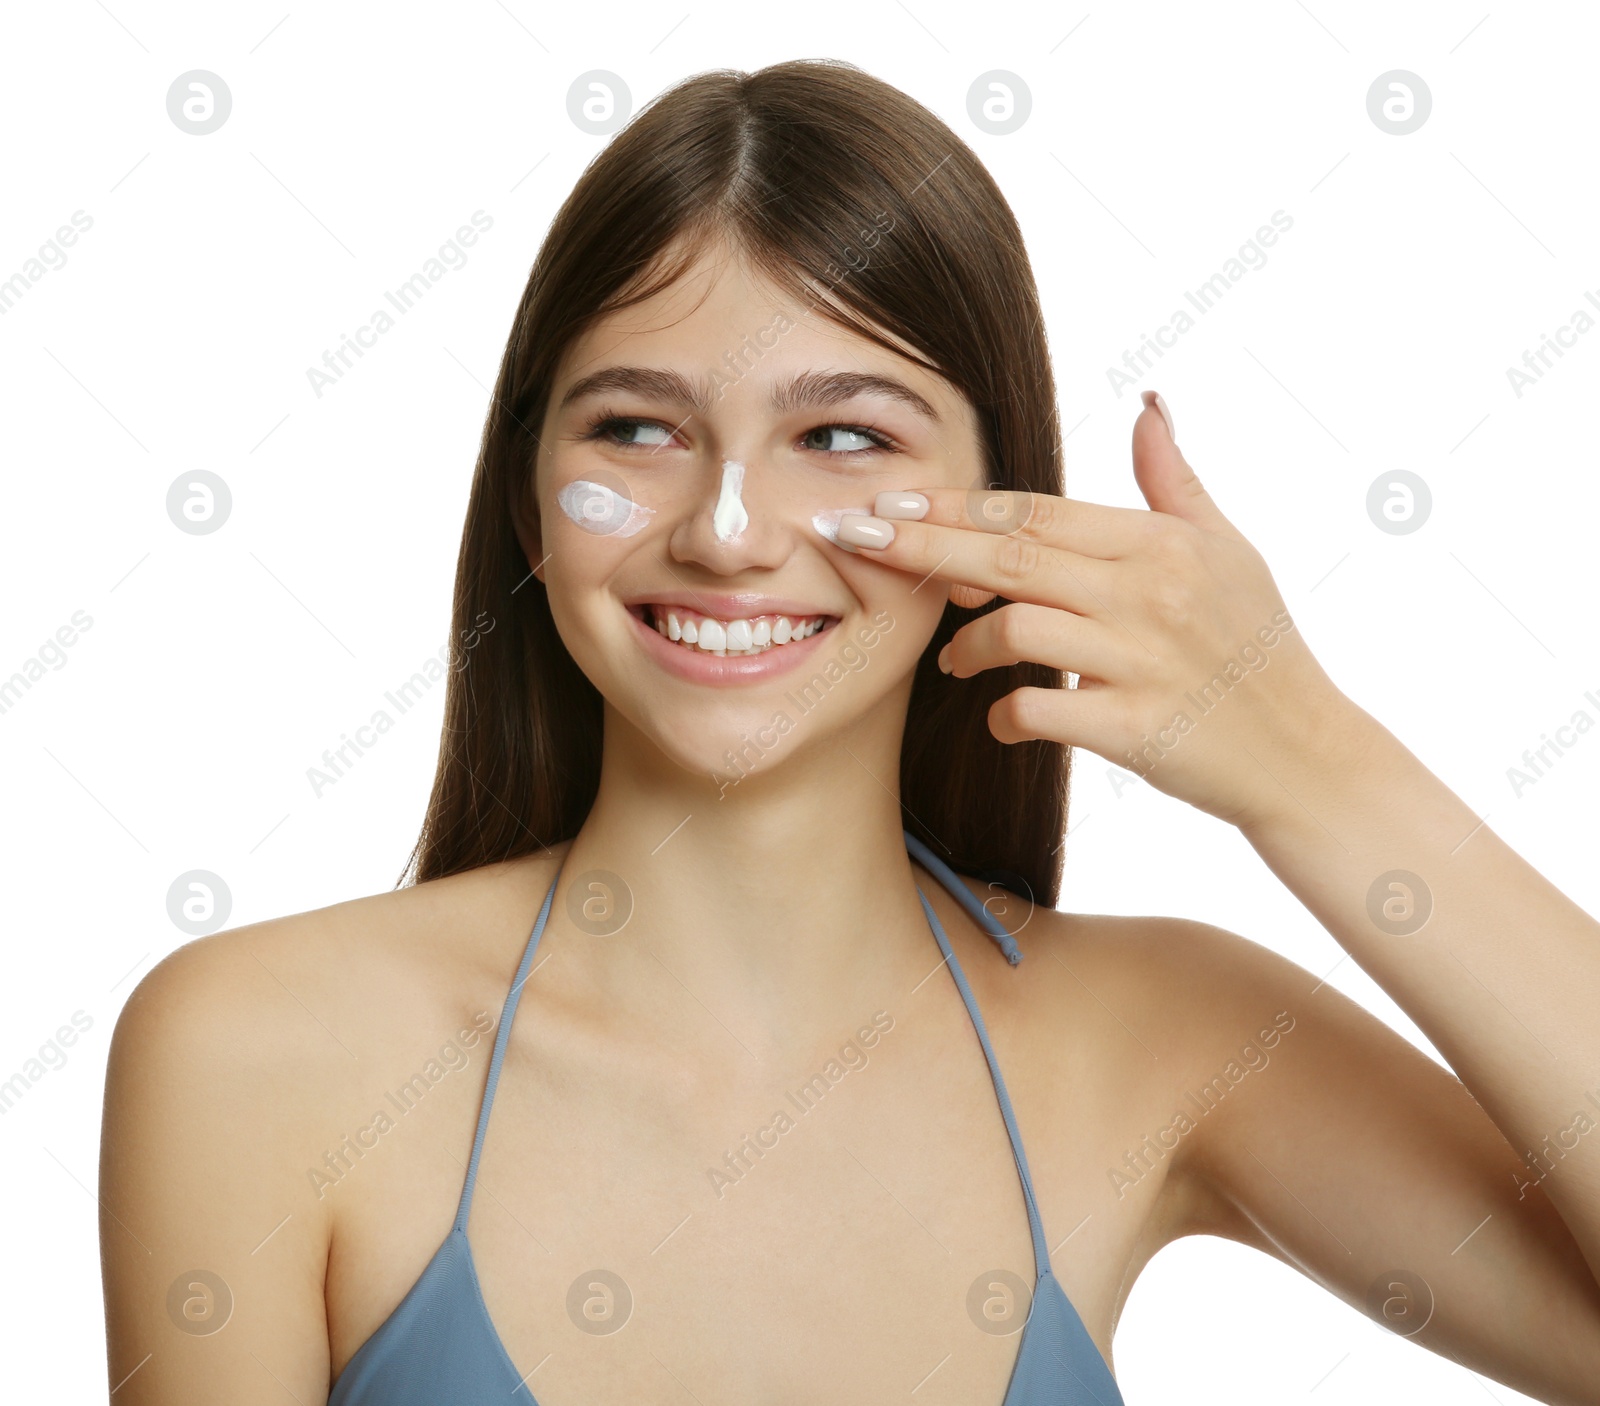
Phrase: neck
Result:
[771,899]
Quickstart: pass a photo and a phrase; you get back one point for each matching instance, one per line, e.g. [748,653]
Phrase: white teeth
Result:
[712,635]
[734,637]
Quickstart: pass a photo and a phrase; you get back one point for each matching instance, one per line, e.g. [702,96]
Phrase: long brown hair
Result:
[819,174]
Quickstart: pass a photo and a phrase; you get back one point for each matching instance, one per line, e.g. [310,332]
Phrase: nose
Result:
[735,523]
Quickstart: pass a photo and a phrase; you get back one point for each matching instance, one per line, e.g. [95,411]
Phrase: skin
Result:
[764,934]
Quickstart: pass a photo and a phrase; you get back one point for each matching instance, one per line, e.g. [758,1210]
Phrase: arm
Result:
[1497,967]
[1348,1154]
[210,1294]
[1192,674]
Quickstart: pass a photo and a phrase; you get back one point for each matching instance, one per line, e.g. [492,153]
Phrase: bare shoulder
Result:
[299,1001]
[1125,1021]
[274,983]
[236,1059]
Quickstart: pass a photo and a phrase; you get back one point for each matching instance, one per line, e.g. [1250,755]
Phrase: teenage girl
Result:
[729,1044]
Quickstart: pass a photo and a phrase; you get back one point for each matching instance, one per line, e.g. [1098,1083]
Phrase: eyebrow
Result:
[809,389]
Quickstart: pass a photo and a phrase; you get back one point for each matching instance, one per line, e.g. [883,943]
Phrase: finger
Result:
[1069,715]
[969,597]
[1033,633]
[1164,476]
[1089,529]
[1010,566]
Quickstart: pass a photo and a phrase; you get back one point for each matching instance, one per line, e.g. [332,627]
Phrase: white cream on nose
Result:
[729,518]
[602,510]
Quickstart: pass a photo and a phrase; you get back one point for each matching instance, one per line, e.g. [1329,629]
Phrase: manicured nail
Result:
[1154,398]
[827,523]
[859,530]
[944,660]
[901,505]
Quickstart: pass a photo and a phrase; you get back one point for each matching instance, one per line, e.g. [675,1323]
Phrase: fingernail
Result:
[862,531]
[1154,398]
[944,660]
[827,523]
[901,505]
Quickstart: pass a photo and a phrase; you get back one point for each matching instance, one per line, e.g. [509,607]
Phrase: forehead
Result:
[726,324]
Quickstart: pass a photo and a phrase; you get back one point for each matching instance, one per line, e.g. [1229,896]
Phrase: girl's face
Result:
[697,450]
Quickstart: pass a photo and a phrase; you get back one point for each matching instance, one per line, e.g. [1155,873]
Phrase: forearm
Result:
[1496,966]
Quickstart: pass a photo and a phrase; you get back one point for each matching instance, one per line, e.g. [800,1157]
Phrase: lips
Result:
[741,635]
[750,638]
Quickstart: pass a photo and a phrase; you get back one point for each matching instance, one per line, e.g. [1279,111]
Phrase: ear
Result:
[525,518]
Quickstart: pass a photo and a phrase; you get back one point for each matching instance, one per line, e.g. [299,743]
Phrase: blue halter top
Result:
[439,1347]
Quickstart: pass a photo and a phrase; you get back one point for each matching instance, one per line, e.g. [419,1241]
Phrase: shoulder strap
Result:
[1041,1251]
[508,1014]
[963,895]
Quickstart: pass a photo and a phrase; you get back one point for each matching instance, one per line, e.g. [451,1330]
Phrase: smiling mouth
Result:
[755,634]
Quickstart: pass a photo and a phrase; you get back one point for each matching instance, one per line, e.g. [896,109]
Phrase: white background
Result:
[218,668]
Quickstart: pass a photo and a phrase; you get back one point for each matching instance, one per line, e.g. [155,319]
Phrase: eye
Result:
[630,430]
[625,429]
[876,439]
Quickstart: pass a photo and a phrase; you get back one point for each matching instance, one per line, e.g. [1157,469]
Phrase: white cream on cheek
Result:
[729,518]
[827,521]
[602,510]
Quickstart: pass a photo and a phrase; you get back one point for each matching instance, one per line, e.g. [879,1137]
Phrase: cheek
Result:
[601,508]
[893,605]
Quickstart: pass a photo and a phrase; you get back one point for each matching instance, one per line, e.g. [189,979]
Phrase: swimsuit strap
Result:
[507,1014]
[963,895]
[959,891]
